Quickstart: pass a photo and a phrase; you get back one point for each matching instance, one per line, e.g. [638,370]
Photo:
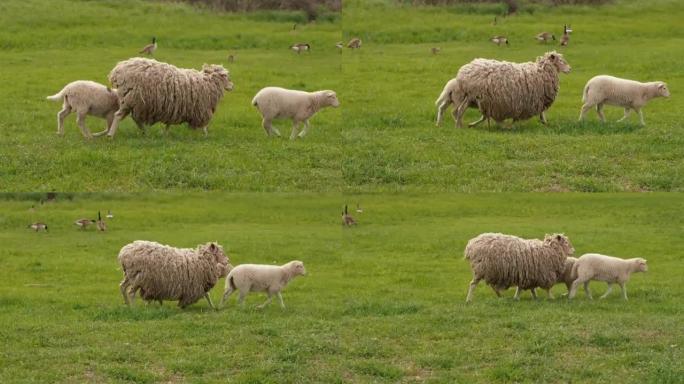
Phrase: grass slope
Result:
[394,80]
[383,302]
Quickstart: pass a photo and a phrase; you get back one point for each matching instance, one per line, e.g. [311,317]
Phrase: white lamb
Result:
[628,94]
[593,266]
[261,278]
[275,103]
[86,98]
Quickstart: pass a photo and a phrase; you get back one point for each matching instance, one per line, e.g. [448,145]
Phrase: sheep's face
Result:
[641,265]
[331,99]
[662,90]
[560,240]
[220,73]
[559,62]
[298,268]
[220,258]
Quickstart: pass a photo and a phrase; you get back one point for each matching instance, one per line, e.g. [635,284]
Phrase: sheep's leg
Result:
[206,132]
[123,287]
[471,288]
[474,123]
[118,116]
[241,298]
[534,293]
[610,288]
[517,293]
[80,120]
[211,305]
[496,290]
[61,115]
[641,116]
[305,129]
[440,112]
[623,287]
[459,112]
[110,118]
[585,108]
[549,294]
[599,112]
[142,129]
[587,291]
[573,289]
[226,294]
[268,127]
[267,302]
[627,112]
[295,128]
[280,297]
[542,117]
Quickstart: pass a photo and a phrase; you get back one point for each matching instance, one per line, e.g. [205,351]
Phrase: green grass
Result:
[393,81]
[383,302]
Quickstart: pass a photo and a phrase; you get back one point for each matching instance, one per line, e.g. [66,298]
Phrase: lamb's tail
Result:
[57,96]
[445,96]
[574,270]
[232,283]
[584,93]
[254,101]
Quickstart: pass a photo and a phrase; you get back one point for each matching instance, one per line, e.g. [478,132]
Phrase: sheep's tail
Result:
[575,266]
[254,101]
[584,93]
[445,96]
[57,96]
[232,283]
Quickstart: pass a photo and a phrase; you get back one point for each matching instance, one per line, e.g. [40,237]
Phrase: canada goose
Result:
[299,47]
[435,50]
[347,220]
[354,43]
[231,58]
[39,227]
[84,223]
[110,215]
[498,40]
[101,225]
[494,22]
[358,208]
[545,36]
[568,28]
[565,39]
[294,26]
[150,48]
[339,45]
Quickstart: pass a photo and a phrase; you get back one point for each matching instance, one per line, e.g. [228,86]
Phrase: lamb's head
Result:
[640,265]
[296,268]
[561,242]
[218,74]
[216,255]
[662,89]
[556,59]
[330,99]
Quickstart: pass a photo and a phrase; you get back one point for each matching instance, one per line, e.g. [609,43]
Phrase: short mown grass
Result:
[383,301]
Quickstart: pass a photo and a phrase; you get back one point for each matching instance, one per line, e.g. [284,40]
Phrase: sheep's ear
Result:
[212,247]
[552,56]
[558,237]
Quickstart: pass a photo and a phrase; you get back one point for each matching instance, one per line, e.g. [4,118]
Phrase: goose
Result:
[358,208]
[150,48]
[299,47]
[565,39]
[498,40]
[84,223]
[101,225]
[435,50]
[545,36]
[110,215]
[354,43]
[347,220]
[39,226]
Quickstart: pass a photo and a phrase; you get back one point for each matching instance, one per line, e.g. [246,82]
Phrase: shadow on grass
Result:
[572,128]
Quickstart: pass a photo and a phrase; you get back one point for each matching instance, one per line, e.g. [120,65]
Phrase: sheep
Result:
[629,94]
[85,98]
[444,100]
[503,90]
[261,278]
[594,266]
[567,278]
[504,261]
[300,106]
[161,272]
[152,91]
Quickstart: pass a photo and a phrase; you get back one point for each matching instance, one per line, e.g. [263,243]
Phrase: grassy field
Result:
[393,81]
[382,138]
[47,44]
[383,302]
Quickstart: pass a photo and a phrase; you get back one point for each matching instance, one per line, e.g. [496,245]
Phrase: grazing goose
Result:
[299,47]
[39,227]
[435,50]
[150,48]
[347,220]
[498,40]
[84,223]
[231,58]
[354,43]
[545,37]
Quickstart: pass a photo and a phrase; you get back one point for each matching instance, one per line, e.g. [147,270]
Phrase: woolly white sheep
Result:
[261,278]
[154,92]
[593,266]
[162,272]
[628,94]
[502,90]
[85,98]
[504,261]
[567,278]
[300,106]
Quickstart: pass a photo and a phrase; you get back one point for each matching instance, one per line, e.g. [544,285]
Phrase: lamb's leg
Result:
[627,112]
[305,129]
[280,297]
[573,289]
[471,287]
[474,123]
[226,294]
[459,112]
[110,118]
[610,288]
[241,298]
[440,112]
[211,305]
[118,116]
[123,287]
[641,116]
[61,115]
[267,302]
[542,117]
[599,112]
[587,291]
[80,120]
[295,128]
[624,290]
[585,108]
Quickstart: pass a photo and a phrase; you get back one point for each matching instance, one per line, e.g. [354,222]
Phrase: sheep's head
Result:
[662,89]
[220,74]
[330,99]
[557,60]
[219,257]
[559,240]
[297,268]
[641,265]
